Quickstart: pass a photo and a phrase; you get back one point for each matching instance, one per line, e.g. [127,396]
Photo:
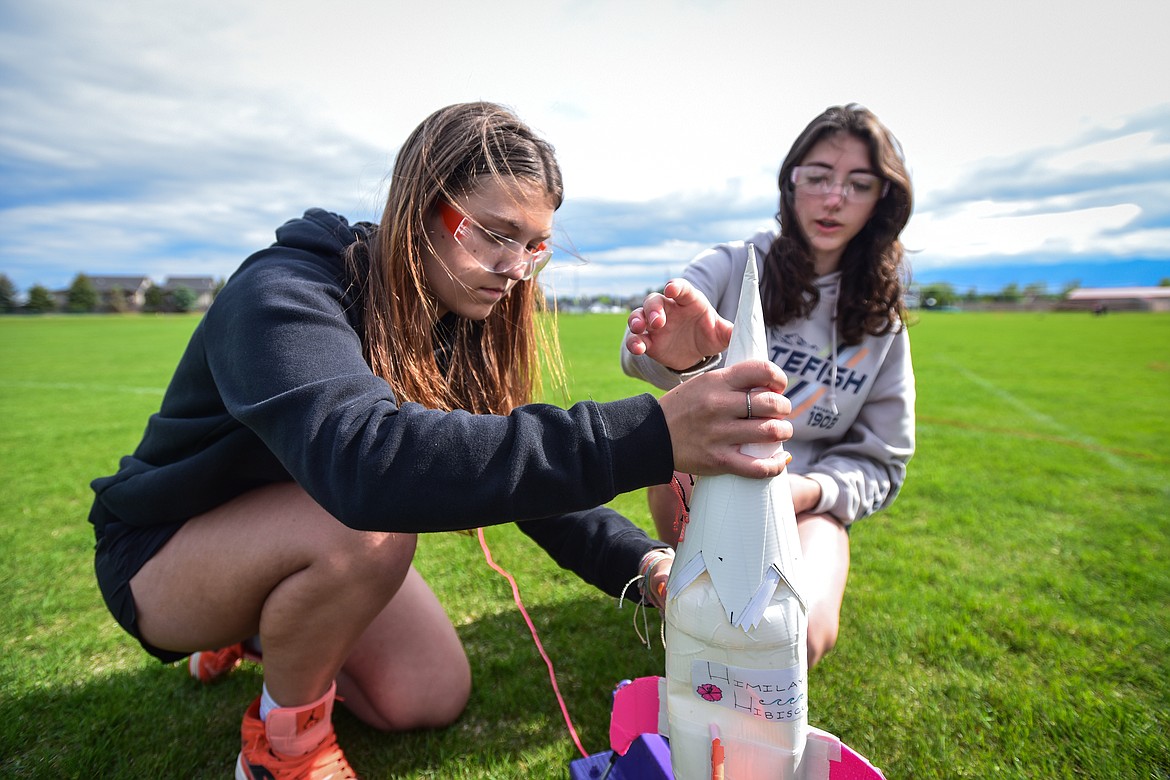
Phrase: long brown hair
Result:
[872,275]
[490,366]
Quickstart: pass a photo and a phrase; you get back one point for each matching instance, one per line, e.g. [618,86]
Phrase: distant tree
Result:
[1010,293]
[972,295]
[1165,282]
[40,300]
[82,295]
[937,294]
[153,299]
[183,298]
[118,301]
[1035,291]
[7,295]
[218,286]
[1075,284]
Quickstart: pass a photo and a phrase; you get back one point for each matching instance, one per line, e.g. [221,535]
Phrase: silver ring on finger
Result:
[748,396]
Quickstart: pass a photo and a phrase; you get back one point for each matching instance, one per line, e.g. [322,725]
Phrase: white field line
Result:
[1043,419]
[84,388]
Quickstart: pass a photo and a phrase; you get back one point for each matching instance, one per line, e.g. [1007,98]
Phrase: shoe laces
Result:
[217,662]
[326,762]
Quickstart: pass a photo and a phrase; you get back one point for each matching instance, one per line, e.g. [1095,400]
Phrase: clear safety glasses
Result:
[495,253]
[817,180]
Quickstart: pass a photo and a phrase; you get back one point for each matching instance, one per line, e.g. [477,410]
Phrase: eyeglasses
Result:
[857,187]
[495,253]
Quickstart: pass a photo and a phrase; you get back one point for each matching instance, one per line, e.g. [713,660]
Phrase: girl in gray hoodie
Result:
[832,288]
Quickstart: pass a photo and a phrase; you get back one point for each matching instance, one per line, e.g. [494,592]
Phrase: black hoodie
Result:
[274,387]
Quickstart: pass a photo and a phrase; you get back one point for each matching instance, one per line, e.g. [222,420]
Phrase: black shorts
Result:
[121,551]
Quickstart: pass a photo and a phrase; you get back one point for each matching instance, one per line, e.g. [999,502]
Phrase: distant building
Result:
[115,293]
[202,286]
[1101,299]
[128,293]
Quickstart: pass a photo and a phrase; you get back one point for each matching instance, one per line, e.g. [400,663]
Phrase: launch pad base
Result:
[648,758]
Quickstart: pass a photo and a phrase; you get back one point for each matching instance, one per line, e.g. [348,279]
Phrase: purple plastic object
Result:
[591,768]
[650,754]
[647,759]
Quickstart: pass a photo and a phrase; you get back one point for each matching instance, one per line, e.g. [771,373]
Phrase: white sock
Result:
[267,703]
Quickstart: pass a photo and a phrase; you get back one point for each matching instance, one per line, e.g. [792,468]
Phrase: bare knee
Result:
[825,548]
[408,670]
[822,636]
[434,703]
[454,693]
[378,561]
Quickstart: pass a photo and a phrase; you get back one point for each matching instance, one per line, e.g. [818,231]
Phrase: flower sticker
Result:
[709,692]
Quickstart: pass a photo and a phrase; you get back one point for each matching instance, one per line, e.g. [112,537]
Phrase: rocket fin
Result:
[751,614]
[854,766]
[684,575]
[636,711]
[828,758]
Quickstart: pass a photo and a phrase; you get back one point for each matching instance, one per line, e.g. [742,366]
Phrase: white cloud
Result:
[1142,148]
[988,228]
[179,133]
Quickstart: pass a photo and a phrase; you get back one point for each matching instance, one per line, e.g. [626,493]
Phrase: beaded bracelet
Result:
[649,561]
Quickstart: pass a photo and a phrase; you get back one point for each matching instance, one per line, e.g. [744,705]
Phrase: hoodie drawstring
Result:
[833,335]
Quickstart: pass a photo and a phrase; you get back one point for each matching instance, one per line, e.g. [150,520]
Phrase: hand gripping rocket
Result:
[733,702]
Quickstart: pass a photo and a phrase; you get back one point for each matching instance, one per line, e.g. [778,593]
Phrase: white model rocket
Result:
[734,702]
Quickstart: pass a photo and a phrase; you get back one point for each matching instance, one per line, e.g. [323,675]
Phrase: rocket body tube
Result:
[751,685]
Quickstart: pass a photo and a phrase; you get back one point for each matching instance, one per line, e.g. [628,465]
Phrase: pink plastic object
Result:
[635,712]
[853,767]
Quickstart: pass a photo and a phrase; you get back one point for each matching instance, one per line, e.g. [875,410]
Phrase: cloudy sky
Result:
[165,138]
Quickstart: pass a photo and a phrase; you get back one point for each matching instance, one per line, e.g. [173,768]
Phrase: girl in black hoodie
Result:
[355,385]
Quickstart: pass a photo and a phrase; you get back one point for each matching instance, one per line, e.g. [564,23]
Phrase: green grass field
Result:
[1008,617]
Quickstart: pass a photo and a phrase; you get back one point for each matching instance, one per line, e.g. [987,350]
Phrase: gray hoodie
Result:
[852,407]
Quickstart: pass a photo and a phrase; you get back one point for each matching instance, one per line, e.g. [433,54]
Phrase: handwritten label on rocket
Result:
[768,694]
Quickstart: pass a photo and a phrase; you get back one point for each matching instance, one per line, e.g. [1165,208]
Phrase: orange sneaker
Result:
[207,666]
[295,742]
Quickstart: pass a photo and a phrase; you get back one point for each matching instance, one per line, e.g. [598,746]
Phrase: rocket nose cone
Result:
[748,335]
